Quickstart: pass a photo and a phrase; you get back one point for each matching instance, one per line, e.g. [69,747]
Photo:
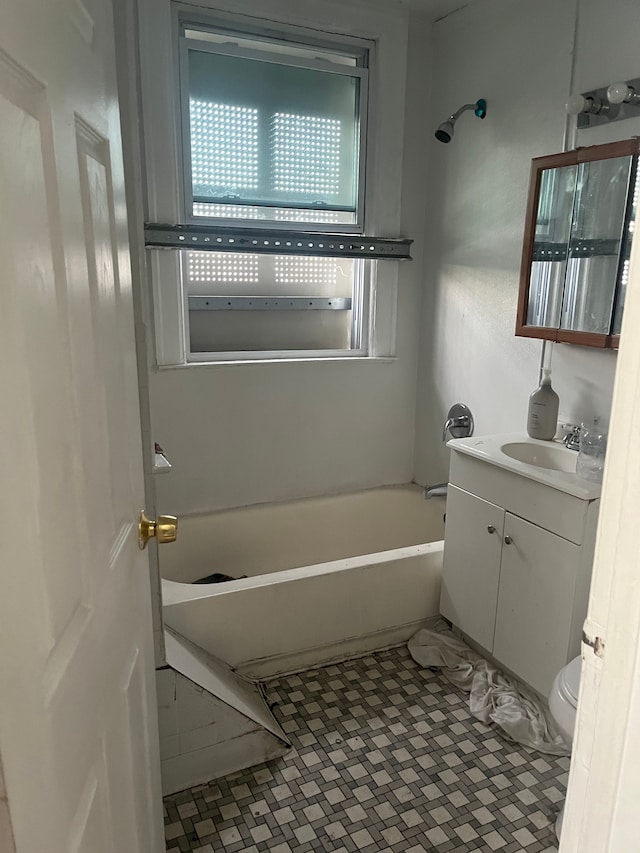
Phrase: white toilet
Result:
[563,701]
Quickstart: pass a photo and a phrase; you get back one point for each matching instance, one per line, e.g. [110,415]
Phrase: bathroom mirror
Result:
[578,233]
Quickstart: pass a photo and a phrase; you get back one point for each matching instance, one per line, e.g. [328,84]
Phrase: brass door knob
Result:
[164,528]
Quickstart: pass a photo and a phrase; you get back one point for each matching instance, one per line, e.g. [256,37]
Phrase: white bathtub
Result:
[326,577]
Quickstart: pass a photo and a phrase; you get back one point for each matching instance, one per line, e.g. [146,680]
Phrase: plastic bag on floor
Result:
[494,697]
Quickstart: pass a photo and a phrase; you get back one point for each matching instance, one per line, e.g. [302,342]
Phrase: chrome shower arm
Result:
[455,116]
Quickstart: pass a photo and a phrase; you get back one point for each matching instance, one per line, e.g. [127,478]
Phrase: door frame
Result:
[605,765]
[601,807]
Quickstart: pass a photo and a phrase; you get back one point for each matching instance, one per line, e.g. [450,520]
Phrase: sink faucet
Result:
[572,439]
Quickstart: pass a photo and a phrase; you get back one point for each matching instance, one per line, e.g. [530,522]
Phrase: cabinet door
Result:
[471,572]
[533,620]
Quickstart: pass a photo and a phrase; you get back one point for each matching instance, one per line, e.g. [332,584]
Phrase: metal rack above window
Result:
[265,241]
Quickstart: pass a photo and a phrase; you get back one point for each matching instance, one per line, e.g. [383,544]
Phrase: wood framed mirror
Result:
[579,227]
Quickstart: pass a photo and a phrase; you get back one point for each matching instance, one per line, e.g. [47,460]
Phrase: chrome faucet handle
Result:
[572,439]
[459,422]
[447,426]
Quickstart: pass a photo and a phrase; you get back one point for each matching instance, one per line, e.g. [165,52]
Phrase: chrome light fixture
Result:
[616,102]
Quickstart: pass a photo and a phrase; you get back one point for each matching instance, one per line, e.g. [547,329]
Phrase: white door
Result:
[78,736]
[604,782]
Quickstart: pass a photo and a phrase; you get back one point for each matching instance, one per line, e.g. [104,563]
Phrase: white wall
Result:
[240,434]
[517,55]
[244,433]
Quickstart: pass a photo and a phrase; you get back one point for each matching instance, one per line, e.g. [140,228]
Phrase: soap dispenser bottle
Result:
[542,420]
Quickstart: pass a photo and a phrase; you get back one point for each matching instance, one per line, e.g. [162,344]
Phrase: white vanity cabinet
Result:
[517,567]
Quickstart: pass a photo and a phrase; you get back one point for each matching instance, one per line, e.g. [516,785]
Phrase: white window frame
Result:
[360,51]
[359,327]
[386,34]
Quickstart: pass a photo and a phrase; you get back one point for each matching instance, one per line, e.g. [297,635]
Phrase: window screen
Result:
[271,135]
[247,326]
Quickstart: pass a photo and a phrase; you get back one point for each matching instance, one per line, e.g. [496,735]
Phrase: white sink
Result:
[553,457]
[547,462]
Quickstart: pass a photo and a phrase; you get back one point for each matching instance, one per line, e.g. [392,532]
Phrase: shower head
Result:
[444,133]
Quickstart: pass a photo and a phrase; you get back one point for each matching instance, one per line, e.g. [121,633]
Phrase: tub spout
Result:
[439,491]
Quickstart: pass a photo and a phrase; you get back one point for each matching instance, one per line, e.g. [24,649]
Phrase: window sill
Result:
[271,361]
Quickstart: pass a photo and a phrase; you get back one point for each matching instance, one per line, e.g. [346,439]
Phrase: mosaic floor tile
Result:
[386,757]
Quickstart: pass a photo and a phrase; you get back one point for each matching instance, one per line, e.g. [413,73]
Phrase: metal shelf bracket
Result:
[269,303]
[211,238]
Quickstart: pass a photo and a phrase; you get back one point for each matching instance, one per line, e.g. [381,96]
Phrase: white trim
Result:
[229,16]
[169,307]
[362,48]
[388,31]
[383,302]
[170,301]
[360,359]
[275,58]
[602,802]
[348,229]
[331,21]
[363,275]
[274,355]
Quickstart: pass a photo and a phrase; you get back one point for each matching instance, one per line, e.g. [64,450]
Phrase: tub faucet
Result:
[459,422]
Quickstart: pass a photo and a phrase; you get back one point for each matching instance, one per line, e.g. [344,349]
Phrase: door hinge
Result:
[596,644]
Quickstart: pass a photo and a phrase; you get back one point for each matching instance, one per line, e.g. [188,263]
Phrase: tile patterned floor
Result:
[386,757]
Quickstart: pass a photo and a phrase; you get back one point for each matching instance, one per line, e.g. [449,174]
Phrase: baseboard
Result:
[261,669]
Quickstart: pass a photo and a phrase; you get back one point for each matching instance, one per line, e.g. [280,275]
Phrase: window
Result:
[273,136]
[366,53]
[272,130]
